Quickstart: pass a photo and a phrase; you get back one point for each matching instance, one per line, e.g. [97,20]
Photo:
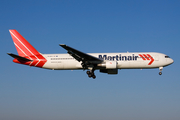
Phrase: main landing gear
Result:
[160,68]
[91,74]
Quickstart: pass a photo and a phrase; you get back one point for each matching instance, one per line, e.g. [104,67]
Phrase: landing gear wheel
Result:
[89,75]
[88,72]
[160,68]
[160,73]
[93,76]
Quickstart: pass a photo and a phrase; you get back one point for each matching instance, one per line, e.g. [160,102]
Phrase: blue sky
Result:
[90,26]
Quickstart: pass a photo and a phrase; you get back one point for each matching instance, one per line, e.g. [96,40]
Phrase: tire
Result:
[88,72]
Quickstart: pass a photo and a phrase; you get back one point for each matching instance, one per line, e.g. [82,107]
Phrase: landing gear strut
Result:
[160,68]
[91,74]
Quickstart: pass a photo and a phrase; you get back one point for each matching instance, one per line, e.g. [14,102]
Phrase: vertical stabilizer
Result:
[26,51]
[24,48]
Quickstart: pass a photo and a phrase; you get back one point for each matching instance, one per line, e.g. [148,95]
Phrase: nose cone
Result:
[171,61]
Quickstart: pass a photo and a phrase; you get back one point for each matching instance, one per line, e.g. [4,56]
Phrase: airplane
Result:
[74,59]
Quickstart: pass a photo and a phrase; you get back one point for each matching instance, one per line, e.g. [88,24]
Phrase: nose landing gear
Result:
[160,73]
[160,68]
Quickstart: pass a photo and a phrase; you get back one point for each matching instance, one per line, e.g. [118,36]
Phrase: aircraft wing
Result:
[80,56]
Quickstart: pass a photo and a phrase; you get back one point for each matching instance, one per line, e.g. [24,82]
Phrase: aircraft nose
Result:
[171,61]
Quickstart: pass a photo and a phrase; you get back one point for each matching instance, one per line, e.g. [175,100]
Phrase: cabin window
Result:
[167,57]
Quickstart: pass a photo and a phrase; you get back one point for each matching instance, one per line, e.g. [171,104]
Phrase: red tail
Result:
[25,49]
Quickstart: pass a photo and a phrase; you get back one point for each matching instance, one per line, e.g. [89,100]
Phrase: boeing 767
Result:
[104,62]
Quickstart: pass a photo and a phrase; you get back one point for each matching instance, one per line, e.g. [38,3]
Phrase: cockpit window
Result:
[167,57]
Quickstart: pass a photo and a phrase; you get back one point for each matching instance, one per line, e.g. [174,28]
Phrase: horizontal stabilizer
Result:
[19,57]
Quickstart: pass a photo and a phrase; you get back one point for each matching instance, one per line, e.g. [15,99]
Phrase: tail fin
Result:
[28,55]
[23,47]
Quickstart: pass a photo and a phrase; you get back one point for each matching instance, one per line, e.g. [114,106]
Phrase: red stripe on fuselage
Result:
[142,57]
[146,57]
[152,59]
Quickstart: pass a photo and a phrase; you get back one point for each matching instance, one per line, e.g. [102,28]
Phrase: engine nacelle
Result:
[109,71]
[111,65]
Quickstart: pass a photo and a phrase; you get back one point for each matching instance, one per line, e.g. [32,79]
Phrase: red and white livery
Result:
[75,59]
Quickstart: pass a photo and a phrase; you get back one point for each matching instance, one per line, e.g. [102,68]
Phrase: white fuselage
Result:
[124,60]
[105,62]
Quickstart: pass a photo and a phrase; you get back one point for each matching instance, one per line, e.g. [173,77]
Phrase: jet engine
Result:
[109,71]
[111,65]
[108,65]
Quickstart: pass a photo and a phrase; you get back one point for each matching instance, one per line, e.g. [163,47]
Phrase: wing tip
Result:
[62,44]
